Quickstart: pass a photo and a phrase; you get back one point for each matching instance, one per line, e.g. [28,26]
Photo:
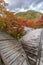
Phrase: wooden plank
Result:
[32,59]
[14,56]
[8,46]
[8,55]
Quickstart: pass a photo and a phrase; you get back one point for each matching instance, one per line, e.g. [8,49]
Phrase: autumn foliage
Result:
[15,25]
[39,22]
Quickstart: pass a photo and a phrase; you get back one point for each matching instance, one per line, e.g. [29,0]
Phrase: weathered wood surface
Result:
[31,43]
[11,51]
[41,60]
[13,54]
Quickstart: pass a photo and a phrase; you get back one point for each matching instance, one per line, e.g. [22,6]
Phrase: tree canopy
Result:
[3,5]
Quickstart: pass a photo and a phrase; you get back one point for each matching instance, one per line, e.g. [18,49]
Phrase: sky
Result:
[24,5]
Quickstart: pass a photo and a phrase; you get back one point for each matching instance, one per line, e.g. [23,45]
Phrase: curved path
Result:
[33,45]
[11,51]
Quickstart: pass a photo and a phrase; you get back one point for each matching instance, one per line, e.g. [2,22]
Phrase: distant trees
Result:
[39,22]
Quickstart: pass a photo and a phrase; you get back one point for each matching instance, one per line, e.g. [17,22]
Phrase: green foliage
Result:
[18,36]
[1,23]
[30,15]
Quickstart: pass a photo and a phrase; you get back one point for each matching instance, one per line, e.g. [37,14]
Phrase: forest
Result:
[14,24]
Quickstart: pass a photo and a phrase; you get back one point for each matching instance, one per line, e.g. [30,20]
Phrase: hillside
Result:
[15,25]
[30,15]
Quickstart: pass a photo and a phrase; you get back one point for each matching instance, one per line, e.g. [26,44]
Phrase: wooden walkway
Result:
[34,49]
[11,51]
